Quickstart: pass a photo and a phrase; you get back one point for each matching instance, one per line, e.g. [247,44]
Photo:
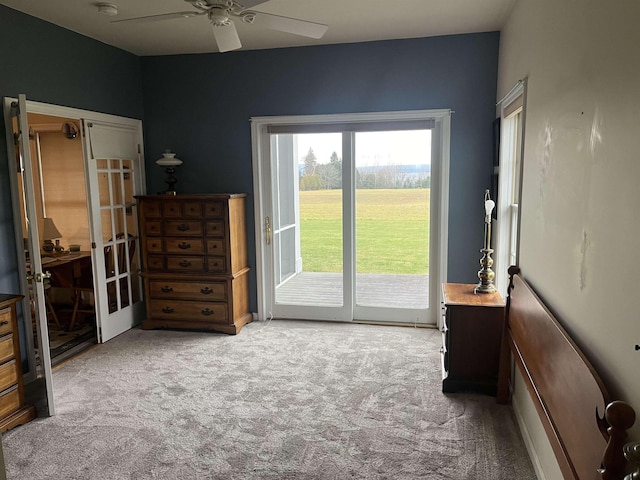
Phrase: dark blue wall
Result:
[56,66]
[53,65]
[199,106]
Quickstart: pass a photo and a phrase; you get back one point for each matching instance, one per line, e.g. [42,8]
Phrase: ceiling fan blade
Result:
[164,16]
[290,25]
[251,3]
[227,37]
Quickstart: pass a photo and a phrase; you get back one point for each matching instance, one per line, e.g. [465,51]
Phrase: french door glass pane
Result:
[307,220]
[393,177]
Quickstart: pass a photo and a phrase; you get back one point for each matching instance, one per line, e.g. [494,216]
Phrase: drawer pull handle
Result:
[206,291]
[4,322]
[166,289]
[167,310]
[207,312]
[185,264]
[183,227]
[184,246]
[215,264]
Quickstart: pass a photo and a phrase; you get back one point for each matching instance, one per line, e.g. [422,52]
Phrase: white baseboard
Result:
[533,433]
[528,442]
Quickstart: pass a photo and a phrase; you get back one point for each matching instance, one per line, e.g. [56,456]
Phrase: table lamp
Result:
[49,232]
[486,274]
[170,162]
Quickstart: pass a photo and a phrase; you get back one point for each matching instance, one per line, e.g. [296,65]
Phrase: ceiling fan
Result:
[221,13]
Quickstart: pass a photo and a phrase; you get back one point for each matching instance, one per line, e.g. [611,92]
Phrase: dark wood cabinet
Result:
[471,337]
[194,257]
[13,409]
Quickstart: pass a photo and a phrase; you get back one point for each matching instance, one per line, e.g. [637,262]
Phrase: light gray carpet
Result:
[281,400]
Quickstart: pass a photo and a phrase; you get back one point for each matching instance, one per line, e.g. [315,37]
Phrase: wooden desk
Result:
[68,270]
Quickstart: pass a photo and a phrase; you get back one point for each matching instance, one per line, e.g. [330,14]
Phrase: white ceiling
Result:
[348,20]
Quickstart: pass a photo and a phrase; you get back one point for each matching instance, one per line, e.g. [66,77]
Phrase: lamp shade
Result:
[168,160]
[49,230]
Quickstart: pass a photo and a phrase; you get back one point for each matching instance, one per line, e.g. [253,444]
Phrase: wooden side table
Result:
[471,338]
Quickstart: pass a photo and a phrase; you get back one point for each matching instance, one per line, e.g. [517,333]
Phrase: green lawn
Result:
[392,229]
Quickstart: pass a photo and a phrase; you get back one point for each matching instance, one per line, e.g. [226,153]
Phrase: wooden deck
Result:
[372,290]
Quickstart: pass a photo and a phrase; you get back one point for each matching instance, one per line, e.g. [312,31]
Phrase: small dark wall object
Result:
[69,130]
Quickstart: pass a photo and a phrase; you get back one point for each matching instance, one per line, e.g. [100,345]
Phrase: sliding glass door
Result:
[345,227]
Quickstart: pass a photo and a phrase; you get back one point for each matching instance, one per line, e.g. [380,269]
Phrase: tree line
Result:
[328,176]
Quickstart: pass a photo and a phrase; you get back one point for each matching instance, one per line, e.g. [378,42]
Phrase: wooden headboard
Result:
[586,430]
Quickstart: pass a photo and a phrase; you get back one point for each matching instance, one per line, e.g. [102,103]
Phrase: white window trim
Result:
[508,223]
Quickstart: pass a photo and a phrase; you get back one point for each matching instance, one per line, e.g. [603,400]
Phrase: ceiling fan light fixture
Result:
[108,9]
[219,16]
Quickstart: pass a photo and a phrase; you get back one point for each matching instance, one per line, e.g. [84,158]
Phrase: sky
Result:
[410,147]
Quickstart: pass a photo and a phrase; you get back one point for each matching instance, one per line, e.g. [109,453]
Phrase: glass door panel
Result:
[392,203]
[308,220]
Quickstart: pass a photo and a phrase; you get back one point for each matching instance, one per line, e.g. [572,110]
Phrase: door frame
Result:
[55,111]
[260,142]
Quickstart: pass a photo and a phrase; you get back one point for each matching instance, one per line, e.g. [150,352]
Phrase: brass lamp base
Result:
[485,274]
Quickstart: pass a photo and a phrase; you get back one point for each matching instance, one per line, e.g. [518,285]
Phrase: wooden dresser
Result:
[13,410]
[471,339]
[194,257]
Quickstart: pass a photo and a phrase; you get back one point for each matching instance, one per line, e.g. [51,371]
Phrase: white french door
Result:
[33,279]
[113,159]
[344,229]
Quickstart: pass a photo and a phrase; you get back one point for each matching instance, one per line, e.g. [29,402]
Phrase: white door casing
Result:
[263,190]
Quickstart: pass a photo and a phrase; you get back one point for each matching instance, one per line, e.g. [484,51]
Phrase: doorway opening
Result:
[60,198]
[351,223]
[77,245]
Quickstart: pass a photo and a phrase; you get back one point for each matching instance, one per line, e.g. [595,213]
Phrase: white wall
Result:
[580,237]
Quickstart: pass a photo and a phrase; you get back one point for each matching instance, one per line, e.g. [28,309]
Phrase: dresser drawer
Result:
[151,209]
[174,208]
[6,348]
[185,245]
[194,311]
[216,265]
[183,228]
[155,263]
[9,401]
[185,264]
[214,209]
[214,229]
[215,247]
[154,245]
[8,374]
[202,291]
[153,228]
[5,321]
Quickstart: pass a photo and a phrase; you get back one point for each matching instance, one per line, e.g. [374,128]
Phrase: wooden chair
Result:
[82,283]
[84,277]
[47,301]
